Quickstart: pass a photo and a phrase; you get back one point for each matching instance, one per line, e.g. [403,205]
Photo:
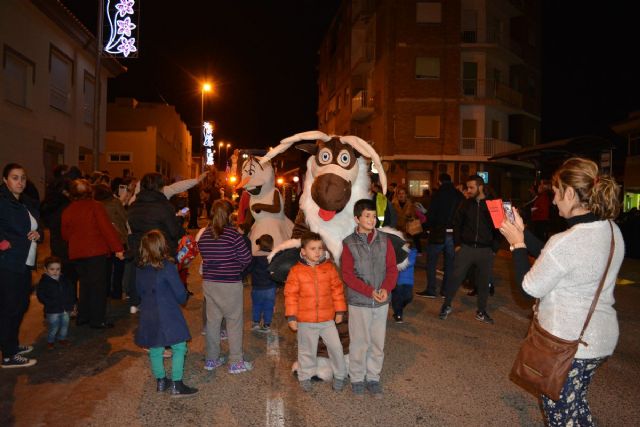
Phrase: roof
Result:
[582,145]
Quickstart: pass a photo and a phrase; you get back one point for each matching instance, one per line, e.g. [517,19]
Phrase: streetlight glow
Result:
[280,181]
[206,87]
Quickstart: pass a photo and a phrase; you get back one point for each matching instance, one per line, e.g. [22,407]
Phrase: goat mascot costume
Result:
[337,177]
[265,202]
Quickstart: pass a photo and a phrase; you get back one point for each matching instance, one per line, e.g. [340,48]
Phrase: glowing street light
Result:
[280,181]
[206,87]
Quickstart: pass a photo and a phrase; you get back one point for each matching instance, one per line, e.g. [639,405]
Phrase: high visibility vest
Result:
[381,207]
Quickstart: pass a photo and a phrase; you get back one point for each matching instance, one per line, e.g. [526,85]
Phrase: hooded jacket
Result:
[57,296]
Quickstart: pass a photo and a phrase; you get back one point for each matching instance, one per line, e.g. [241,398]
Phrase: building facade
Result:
[630,130]
[47,87]
[146,137]
[435,86]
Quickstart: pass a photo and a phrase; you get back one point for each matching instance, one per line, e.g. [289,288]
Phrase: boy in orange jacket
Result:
[314,303]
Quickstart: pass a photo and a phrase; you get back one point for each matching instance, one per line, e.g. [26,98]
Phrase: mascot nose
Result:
[331,192]
[243,183]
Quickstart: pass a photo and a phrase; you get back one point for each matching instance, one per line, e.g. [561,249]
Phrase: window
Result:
[119,157]
[427,68]
[88,93]
[427,126]
[61,79]
[19,77]
[428,12]
[469,26]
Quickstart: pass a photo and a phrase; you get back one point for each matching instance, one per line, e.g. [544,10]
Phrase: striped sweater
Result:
[223,259]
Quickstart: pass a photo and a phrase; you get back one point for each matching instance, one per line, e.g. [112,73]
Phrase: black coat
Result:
[473,225]
[260,275]
[161,320]
[152,210]
[15,224]
[51,210]
[443,206]
[56,295]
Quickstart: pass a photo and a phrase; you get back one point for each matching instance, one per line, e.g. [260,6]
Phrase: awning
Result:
[547,157]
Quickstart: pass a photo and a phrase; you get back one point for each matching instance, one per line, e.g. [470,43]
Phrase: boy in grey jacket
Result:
[368,264]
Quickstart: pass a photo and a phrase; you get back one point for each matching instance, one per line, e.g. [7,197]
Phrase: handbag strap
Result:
[600,286]
[598,291]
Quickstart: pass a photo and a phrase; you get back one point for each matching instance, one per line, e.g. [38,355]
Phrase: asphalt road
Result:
[436,373]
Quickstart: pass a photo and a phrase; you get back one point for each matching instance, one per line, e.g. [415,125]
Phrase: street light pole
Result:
[206,87]
[226,154]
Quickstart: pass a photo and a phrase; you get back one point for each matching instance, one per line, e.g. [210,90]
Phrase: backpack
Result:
[187,251]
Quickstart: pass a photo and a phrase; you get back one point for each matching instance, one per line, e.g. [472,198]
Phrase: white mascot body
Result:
[265,202]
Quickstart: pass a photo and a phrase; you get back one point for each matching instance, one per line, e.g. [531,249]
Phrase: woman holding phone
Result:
[566,277]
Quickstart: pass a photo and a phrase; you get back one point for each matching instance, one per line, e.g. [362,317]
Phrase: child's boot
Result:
[179,389]
[163,384]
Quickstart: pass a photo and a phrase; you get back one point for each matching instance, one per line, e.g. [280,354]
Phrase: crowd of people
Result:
[109,235]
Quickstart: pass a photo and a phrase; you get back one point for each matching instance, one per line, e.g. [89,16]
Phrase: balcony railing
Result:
[485,146]
[361,105]
[493,89]
[492,37]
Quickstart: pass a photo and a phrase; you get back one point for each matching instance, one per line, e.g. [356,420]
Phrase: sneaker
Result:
[223,334]
[240,367]
[397,318]
[18,361]
[338,384]
[357,389]
[426,294]
[255,326]
[265,329]
[483,316]
[210,365]
[306,386]
[50,346]
[375,389]
[24,349]
[445,311]
[133,309]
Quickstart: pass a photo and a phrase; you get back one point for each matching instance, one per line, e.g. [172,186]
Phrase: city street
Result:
[436,373]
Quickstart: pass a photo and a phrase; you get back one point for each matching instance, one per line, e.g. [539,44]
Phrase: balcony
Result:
[491,89]
[492,38]
[361,106]
[485,146]
[362,57]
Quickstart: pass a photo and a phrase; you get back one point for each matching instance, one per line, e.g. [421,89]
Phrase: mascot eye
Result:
[325,156]
[344,158]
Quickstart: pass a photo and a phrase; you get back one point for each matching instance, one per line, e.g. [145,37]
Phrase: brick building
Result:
[436,86]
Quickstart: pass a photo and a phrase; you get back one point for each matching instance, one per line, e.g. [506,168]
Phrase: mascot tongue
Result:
[326,215]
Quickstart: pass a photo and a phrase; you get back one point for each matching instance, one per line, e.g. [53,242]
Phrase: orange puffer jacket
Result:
[314,294]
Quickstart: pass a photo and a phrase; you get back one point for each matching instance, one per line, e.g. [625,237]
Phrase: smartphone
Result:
[508,211]
[184,211]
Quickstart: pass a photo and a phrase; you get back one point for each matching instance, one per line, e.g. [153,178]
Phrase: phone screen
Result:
[184,210]
[508,211]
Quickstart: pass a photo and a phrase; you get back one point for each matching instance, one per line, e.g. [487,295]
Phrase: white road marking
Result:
[275,412]
[513,314]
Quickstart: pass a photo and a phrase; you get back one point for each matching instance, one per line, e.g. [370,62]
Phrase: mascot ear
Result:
[308,147]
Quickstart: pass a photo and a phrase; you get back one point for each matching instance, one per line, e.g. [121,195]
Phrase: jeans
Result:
[179,351]
[58,326]
[433,251]
[262,303]
[400,297]
[14,301]
[466,257]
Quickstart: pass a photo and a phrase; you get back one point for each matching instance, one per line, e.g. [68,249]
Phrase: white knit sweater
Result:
[566,276]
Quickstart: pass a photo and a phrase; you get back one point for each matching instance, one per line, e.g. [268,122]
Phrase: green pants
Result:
[177,361]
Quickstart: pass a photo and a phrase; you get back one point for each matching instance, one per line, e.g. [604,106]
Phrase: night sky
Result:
[262,56]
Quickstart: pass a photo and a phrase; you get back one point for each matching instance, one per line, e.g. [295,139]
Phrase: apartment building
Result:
[146,137]
[630,130]
[47,87]
[435,86]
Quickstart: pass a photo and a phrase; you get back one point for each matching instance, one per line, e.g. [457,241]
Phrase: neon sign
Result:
[207,131]
[122,18]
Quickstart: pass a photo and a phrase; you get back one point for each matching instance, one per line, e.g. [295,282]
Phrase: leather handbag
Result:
[544,360]
[413,227]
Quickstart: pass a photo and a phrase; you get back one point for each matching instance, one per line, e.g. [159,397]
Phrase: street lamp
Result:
[226,153]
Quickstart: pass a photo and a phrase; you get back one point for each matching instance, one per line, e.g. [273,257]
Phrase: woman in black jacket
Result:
[151,210]
[18,236]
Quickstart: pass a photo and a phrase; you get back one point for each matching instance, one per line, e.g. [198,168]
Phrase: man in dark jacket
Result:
[476,242]
[440,226]
[151,210]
